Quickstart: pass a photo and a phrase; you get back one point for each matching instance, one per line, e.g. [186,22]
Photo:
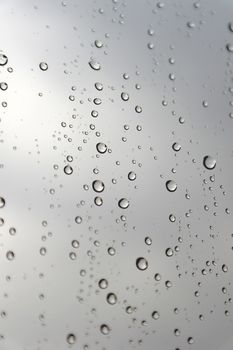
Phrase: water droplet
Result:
[190,340]
[209,162]
[138,109]
[101,147]
[104,329]
[94,65]
[78,219]
[3,59]
[176,147]
[43,66]
[10,255]
[98,201]
[68,170]
[103,283]
[43,251]
[123,203]
[169,252]
[141,264]
[157,277]
[75,244]
[98,186]
[111,298]
[229,48]
[3,86]
[230,26]
[171,186]
[2,202]
[224,268]
[99,86]
[155,315]
[132,176]
[71,338]
[148,241]
[98,44]
[124,96]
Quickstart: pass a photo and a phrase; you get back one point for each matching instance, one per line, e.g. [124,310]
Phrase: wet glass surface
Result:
[116,170]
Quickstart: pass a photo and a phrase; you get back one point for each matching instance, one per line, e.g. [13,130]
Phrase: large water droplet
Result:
[132,176]
[171,186]
[101,147]
[2,202]
[229,48]
[169,252]
[103,283]
[111,298]
[94,65]
[71,338]
[123,203]
[104,329]
[68,170]
[43,66]
[142,263]
[3,59]
[209,162]
[98,186]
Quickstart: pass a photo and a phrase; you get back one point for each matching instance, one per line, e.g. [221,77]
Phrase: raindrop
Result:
[229,48]
[103,283]
[171,186]
[101,147]
[155,315]
[68,170]
[169,252]
[176,147]
[2,202]
[78,219]
[111,298]
[124,96]
[123,203]
[104,329]
[94,65]
[148,241]
[98,44]
[71,338]
[98,201]
[132,176]
[230,26]
[3,86]
[209,162]
[224,268]
[138,109]
[141,264]
[43,66]
[3,59]
[98,186]
[10,255]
